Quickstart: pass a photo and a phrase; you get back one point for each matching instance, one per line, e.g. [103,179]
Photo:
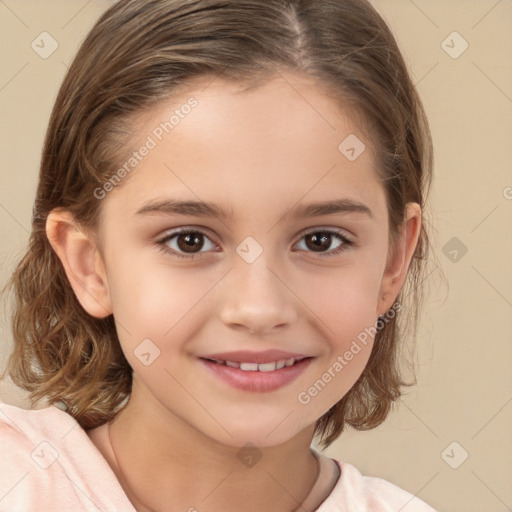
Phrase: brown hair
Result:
[142,51]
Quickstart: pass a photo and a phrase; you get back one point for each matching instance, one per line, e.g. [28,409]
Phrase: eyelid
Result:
[185,229]
[317,229]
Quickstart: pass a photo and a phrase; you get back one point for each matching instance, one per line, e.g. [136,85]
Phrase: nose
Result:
[258,298]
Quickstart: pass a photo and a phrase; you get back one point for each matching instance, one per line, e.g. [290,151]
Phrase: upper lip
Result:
[244,356]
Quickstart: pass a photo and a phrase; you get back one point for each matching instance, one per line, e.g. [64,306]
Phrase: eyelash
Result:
[162,243]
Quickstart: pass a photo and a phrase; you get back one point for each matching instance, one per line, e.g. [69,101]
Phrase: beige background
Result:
[464,349]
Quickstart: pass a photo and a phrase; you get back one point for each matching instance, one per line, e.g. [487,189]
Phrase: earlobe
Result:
[82,262]
[399,261]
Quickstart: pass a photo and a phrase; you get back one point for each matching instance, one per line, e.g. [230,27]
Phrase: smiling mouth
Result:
[262,367]
[252,377]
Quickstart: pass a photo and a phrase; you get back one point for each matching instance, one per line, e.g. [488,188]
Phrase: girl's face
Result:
[260,269]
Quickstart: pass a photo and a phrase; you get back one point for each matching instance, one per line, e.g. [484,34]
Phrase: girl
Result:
[230,201]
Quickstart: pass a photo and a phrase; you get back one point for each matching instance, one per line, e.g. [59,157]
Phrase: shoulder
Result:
[47,459]
[28,450]
[30,434]
[31,423]
[354,491]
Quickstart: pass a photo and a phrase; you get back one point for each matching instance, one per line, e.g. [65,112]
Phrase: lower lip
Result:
[258,382]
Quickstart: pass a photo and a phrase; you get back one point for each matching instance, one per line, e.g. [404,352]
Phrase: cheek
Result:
[151,299]
[344,302]
[343,299]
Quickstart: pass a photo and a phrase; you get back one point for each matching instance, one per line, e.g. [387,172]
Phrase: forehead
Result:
[286,136]
[287,107]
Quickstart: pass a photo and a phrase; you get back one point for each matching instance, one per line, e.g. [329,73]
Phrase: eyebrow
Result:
[207,209]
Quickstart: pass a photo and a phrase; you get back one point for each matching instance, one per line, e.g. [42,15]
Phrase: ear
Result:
[399,260]
[82,262]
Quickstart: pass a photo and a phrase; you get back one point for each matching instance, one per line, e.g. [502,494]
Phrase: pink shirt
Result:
[48,463]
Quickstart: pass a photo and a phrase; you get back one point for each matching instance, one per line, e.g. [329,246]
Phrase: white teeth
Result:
[267,367]
[251,367]
[264,367]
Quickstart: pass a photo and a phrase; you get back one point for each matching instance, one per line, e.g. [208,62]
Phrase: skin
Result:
[259,153]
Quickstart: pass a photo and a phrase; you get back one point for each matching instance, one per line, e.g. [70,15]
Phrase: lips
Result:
[256,371]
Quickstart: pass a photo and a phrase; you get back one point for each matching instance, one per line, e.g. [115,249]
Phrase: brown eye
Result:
[186,244]
[318,241]
[324,242]
[190,242]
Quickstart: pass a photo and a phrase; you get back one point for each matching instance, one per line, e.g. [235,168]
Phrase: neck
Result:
[194,472]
